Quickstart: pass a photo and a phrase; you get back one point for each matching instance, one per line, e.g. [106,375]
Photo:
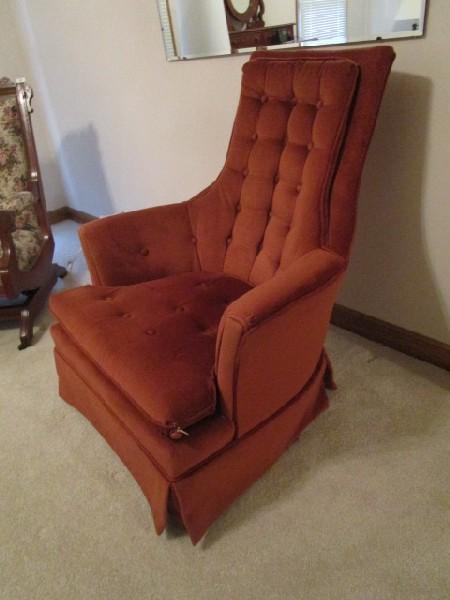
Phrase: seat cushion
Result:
[155,341]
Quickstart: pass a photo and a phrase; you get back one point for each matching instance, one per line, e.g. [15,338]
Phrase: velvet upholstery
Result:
[236,287]
[286,138]
[139,245]
[143,334]
[275,333]
[374,64]
[196,477]
[173,459]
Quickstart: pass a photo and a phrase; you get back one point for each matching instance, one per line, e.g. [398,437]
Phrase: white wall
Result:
[386,16]
[409,9]
[368,19]
[382,16]
[14,62]
[279,12]
[136,131]
[400,271]
[358,20]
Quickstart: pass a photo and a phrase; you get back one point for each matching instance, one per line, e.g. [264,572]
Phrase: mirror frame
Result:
[247,14]
[297,44]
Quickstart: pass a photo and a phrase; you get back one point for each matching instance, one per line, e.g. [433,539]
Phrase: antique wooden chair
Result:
[26,242]
[198,352]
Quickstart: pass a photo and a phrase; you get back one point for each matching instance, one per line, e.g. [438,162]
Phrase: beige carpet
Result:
[359,508]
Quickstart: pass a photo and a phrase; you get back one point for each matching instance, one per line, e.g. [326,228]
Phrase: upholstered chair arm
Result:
[139,245]
[271,338]
[24,207]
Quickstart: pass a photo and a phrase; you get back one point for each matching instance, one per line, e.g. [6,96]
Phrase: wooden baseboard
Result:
[79,216]
[58,215]
[67,212]
[408,342]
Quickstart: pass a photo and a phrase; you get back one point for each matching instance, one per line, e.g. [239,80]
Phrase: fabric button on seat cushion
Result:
[161,355]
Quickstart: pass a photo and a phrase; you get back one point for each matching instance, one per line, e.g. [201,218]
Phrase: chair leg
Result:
[329,381]
[61,272]
[26,328]
[34,305]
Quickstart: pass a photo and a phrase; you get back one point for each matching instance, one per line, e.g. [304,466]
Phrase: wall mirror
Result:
[203,28]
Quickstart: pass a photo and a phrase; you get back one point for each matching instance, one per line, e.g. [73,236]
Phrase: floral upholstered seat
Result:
[27,236]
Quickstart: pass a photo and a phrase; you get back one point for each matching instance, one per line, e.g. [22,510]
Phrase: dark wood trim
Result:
[411,343]
[58,215]
[254,7]
[80,216]
[67,212]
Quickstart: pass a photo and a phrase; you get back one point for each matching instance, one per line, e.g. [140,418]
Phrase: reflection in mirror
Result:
[261,24]
[201,28]
[240,5]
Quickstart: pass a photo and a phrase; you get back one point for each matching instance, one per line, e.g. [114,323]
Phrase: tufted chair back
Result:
[294,162]
[13,158]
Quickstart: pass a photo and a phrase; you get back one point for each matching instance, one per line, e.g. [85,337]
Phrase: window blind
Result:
[323,20]
[166,28]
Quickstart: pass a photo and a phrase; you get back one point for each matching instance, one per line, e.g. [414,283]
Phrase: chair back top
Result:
[374,65]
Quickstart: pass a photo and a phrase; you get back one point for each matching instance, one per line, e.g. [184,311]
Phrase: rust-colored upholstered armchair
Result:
[198,350]
[26,240]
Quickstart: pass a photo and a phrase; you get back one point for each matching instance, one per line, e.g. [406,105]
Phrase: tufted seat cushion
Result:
[154,340]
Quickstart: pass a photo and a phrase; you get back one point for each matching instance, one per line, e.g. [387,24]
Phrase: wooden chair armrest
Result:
[7,226]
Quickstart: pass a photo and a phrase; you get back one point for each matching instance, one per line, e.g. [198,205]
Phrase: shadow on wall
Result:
[55,193]
[80,154]
[390,276]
